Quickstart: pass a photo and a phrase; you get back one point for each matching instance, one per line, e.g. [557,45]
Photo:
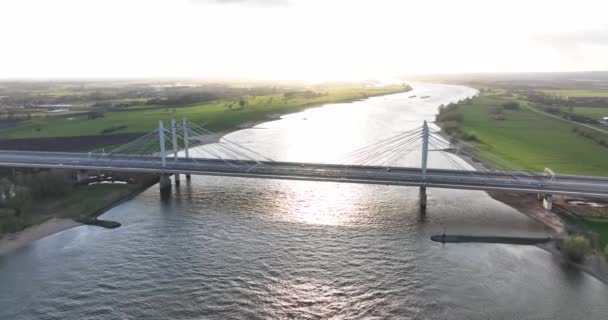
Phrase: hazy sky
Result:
[298,39]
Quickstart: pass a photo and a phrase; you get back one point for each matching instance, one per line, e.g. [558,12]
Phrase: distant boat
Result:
[424,97]
[414,96]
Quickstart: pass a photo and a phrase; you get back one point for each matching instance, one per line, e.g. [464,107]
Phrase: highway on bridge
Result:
[435,178]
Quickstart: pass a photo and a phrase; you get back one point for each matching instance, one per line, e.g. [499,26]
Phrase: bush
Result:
[95,114]
[576,247]
[511,105]
[112,129]
[467,136]
[450,115]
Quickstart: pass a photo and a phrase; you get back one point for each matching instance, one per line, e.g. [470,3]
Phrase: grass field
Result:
[577,93]
[532,141]
[216,115]
[594,113]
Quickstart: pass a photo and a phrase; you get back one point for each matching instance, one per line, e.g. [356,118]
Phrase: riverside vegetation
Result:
[32,196]
[502,123]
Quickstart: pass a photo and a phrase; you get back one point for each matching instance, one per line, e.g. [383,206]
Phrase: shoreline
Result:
[527,204]
[11,242]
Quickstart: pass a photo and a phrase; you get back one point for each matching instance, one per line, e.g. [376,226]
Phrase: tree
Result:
[511,105]
[242,103]
[576,247]
[96,114]
[5,189]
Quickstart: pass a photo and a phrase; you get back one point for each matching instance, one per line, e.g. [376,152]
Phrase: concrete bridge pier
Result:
[422,199]
[176,178]
[82,176]
[187,176]
[165,182]
[548,201]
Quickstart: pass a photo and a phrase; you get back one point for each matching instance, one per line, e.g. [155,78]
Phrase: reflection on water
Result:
[234,248]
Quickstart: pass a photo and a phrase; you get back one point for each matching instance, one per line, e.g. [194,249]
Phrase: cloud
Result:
[262,3]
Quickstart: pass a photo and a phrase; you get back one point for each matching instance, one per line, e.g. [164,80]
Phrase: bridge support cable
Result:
[213,154]
[212,151]
[378,156]
[135,144]
[379,146]
[382,143]
[232,143]
[161,137]
[481,172]
[383,150]
[381,156]
[479,155]
[439,146]
[398,156]
[226,150]
[452,161]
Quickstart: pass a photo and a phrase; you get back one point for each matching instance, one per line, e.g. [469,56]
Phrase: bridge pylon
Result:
[161,138]
[423,166]
[186,145]
[175,148]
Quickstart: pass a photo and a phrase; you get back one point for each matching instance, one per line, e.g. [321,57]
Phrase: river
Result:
[234,248]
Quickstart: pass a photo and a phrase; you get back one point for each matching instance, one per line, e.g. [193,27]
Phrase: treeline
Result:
[117,95]
[568,115]
[554,102]
[306,94]
[19,190]
[450,118]
[593,135]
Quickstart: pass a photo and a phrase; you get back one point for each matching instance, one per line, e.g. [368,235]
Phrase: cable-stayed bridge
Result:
[185,149]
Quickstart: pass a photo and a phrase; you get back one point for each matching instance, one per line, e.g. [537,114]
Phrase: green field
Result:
[577,93]
[217,115]
[594,113]
[531,140]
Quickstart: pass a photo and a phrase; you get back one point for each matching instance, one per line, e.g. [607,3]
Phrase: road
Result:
[436,178]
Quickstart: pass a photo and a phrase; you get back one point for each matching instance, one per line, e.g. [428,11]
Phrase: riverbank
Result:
[476,120]
[594,265]
[14,241]
[529,205]
[82,206]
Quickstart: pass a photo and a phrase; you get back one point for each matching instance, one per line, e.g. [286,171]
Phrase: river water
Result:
[232,248]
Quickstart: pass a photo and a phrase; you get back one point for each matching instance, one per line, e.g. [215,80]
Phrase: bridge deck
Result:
[436,178]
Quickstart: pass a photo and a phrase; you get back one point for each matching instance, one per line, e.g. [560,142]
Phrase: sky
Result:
[298,39]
